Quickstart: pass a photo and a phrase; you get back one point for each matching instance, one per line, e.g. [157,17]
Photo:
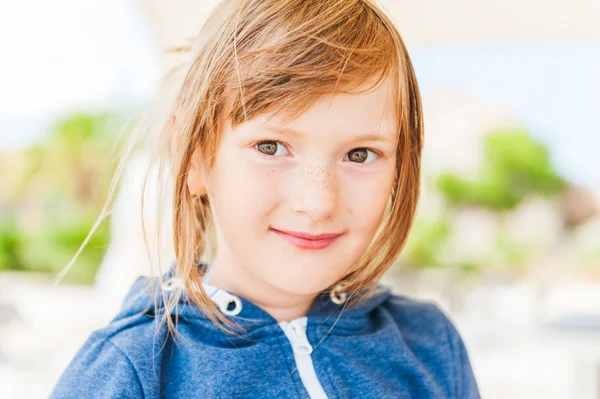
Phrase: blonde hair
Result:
[256,56]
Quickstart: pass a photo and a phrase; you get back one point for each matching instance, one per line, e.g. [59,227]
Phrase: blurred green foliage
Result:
[9,242]
[426,241]
[62,186]
[515,166]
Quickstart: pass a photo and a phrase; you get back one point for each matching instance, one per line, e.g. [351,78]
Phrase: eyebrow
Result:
[356,137]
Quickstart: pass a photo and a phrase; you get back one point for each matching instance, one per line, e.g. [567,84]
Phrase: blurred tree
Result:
[60,195]
[9,241]
[426,241]
[515,166]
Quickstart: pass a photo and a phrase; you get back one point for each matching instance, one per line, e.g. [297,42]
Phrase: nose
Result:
[315,192]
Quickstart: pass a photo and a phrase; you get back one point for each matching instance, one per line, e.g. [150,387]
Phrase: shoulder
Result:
[431,336]
[417,316]
[423,325]
[114,361]
[99,369]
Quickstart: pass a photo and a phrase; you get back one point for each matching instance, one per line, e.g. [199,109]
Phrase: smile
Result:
[308,241]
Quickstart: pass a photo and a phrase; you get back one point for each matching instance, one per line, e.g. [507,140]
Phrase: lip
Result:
[308,241]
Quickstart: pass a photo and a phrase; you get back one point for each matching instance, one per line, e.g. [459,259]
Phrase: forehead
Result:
[371,112]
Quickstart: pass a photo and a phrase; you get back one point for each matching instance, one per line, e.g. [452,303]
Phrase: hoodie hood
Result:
[145,296]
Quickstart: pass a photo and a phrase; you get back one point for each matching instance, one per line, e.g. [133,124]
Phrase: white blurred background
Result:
[508,235]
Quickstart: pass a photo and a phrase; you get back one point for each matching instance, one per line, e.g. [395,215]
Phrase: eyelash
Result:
[376,153]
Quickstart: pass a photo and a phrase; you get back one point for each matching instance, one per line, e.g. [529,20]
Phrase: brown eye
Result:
[272,148]
[267,148]
[359,155]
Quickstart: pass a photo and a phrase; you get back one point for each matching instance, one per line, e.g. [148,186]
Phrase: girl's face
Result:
[330,171]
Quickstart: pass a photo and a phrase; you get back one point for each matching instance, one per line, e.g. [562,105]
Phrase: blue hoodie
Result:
[388,346]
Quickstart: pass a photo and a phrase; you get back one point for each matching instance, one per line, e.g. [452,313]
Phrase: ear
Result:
[196,176]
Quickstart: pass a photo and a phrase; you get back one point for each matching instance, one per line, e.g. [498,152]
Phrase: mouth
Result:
[308,241]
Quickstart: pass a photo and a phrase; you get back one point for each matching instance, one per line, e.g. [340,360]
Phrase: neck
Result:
[281,305]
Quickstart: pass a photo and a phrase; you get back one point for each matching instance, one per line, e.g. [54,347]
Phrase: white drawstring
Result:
[227,303]
[172,283]
[337,296]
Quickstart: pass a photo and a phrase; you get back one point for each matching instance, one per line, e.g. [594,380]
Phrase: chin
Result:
[304,274]
[301,285]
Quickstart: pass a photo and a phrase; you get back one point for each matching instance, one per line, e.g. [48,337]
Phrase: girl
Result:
[295,138]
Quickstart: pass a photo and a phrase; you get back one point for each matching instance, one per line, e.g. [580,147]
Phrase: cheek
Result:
[366,198]
[245,189]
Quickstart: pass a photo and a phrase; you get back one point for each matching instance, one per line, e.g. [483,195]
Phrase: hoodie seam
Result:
[453,354]
[137,376]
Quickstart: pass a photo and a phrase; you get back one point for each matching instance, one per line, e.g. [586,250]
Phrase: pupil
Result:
[231,306]
[358,155]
